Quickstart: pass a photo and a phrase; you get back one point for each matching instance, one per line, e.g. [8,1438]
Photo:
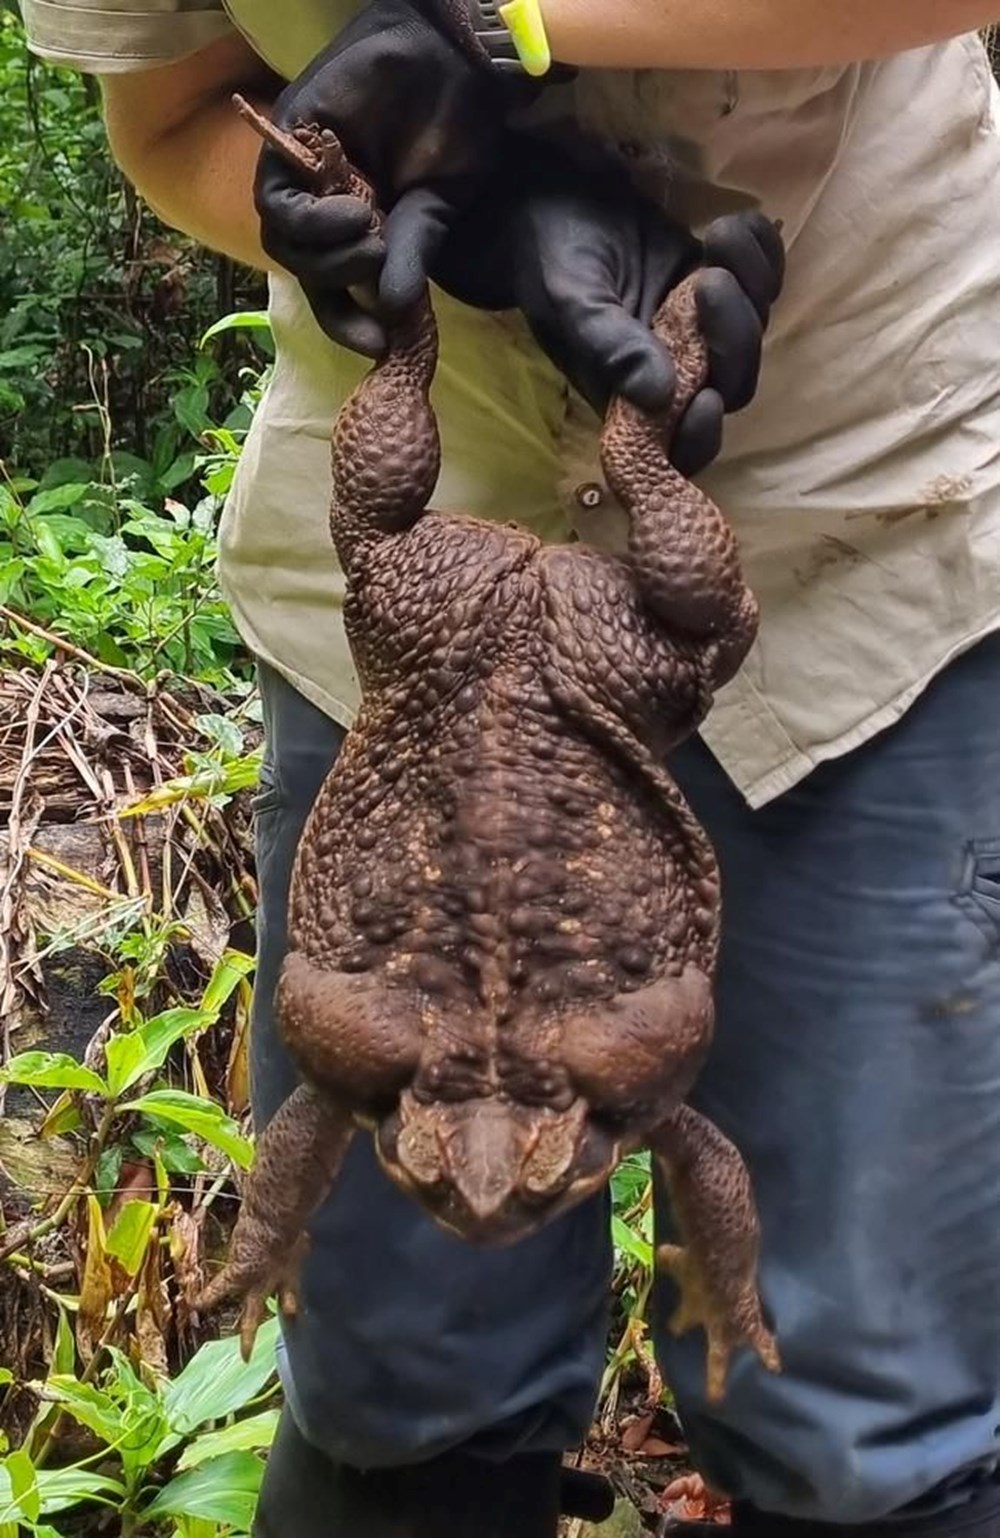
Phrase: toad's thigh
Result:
[857,1067]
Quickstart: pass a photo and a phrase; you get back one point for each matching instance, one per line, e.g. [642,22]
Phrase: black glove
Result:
[588,261]
[408,105]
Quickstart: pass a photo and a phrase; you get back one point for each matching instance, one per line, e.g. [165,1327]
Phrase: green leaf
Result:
[241,774]
[63,1116]
[11,573]
[144,1421]
[113,554]
[224,1490]
[178,1157]
[51,1070]
[130,1234]
[61,471]
[629,1243]
[62,1488]
[229,971]
[181,470]
[58,498]
[88,1404]
[64,1353]
[24,1485]
[21,357]
[131,1054]
[109,1168]
[48,543]
[190,407]
[196,1527]
[255,1431]
[245,320]
[217,1382]
[223,731]
[202,1117]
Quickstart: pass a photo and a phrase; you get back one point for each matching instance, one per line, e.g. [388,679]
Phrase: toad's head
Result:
[493,1170]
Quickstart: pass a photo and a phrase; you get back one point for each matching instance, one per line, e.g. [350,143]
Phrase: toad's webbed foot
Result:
[716,1269]
[298,1156]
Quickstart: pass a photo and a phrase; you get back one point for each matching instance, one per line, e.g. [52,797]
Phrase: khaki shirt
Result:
[863,482]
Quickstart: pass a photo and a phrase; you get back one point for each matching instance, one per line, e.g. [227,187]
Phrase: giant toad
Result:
[504,917]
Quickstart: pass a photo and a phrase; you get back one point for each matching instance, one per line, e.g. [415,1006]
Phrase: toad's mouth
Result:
[493,1170]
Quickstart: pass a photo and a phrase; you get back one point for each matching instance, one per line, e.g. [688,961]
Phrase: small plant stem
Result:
[626,1344]
[38,1268]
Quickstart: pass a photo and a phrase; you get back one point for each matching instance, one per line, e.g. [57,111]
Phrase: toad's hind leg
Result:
[298,1156]
[716,1269]
[684,553]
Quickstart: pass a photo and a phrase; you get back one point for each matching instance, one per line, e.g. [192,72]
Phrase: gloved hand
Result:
[409,106]
[588,261]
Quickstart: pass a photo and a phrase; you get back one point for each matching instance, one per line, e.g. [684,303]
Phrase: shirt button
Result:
[590,494]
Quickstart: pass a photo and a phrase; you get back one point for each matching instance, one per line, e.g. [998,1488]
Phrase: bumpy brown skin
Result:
[504,918]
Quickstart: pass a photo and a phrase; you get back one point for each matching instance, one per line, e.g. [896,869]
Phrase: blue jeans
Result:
[857,1066]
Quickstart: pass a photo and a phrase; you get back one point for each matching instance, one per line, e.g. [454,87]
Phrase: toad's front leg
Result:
[716,1267]
[298,1156]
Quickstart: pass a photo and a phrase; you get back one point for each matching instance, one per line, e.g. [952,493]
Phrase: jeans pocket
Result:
[979,893]
[268,795]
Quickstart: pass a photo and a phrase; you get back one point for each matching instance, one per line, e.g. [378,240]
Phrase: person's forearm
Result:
[750,34]
[190,156]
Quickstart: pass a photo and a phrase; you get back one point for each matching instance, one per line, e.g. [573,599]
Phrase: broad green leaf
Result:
[93,1407]
[224,1490]
[109,1168]
[24,1485]
[202,1117]
[58,498]
[196,1527]
[59,1489]
[230,970]
[217,1382]
[144,1423]
[51,1070]
[169,1149]
[6,1376]
[223,732]
[47,542]
[62,1116]
[190,407]
[25,356]
[181,470]
[130,1233]
[254,1432]
[629,1243]
[131,1054]
[113,553]
[61,471]
[245,320]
